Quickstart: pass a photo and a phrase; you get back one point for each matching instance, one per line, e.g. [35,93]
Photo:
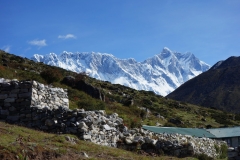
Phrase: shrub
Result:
[81,76]
[146,102]
[204,157]
[51,75]
[224,150]
[91,104]
[237,117]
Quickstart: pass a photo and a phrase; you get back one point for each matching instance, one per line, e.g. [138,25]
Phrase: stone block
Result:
[36,123]
[5,85]
[4,112]
[3,96]
[13,95]
[12,118]
[20,100]
[35,83]
[12,109]
[22,115]
[40,86]
[6,104]
[25,86]
[25,119]
[72,130]
[65,100]
[50,122]
[24,90]
[15,90]
[29,115]
[25,95]
[4,91]
[34,91]
[106,127]
[36,117]
[25,103]
[82,125]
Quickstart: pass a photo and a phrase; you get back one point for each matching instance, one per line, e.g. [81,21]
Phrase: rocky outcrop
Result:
[90,90]
[83,86]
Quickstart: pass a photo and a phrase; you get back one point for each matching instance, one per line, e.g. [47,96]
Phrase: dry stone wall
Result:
[32,104]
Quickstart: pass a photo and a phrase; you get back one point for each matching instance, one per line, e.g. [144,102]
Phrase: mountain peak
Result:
[166,49]
[162,73]
[232,61]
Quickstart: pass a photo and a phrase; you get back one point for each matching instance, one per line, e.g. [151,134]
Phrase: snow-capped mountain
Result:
[162,73]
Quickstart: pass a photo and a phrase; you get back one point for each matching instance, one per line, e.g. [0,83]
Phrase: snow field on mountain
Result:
[162,73]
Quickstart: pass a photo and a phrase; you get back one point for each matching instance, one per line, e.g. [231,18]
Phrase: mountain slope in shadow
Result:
[219,87]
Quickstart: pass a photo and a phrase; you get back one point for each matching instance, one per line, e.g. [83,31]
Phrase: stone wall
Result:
[18,97]
[45,108]
[49,97]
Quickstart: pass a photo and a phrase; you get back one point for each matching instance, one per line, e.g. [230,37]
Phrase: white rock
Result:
[86,136]
[107,127]
[65,100]
[82,125]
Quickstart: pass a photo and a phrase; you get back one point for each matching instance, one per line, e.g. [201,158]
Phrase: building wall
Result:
[235,142]
[18,97]
[232,141]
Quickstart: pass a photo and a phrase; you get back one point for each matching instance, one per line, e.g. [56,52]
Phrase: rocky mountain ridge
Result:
[162,73]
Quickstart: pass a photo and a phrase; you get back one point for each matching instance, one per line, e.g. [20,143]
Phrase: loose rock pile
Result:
[45,108]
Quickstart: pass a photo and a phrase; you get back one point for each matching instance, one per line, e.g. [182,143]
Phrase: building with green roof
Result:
[231,135]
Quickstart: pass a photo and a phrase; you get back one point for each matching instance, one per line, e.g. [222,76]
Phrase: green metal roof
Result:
[225,132]
[184,131]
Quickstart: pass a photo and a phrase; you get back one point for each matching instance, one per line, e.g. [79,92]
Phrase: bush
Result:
[51,75]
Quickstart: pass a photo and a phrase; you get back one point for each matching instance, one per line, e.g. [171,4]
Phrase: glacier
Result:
[161,73]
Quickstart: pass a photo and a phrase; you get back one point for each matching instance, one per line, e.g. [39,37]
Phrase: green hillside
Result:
[127,102]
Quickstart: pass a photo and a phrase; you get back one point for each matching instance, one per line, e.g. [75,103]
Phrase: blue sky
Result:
[138,29]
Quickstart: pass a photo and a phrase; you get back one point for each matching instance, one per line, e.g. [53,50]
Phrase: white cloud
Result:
[68,36]
[6,48]
[40,43]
